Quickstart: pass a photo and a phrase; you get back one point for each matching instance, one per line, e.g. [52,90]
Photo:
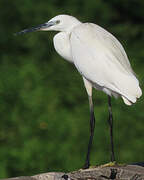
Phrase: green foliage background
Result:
[44,114]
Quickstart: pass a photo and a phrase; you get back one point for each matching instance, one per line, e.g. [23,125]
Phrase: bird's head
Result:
[58,23]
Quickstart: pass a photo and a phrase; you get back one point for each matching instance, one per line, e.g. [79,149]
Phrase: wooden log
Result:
[125,172]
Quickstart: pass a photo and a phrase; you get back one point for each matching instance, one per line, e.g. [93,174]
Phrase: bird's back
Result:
[101,59]
[99,38]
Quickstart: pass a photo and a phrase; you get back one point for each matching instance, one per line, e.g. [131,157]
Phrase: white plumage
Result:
[97,55]
[100,59]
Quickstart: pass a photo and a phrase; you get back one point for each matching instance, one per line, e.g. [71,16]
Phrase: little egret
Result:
[100,59]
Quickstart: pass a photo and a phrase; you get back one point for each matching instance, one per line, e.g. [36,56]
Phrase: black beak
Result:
[37,28]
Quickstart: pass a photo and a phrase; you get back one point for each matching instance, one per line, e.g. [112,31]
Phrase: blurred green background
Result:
[44,113]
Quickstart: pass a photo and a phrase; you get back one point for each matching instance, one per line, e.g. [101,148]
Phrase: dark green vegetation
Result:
[44,114]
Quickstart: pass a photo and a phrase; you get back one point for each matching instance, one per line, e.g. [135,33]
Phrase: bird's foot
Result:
[87,168]
[110,164]
[86,165]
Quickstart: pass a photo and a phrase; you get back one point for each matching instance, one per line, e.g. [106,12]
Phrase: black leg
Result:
[92,125]
[110,121]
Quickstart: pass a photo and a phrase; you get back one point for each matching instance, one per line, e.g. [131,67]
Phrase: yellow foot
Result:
[110,164]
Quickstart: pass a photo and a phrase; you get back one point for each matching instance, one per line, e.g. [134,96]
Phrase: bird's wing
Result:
[101,59]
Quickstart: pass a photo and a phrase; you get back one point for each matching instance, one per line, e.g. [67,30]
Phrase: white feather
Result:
[101,59]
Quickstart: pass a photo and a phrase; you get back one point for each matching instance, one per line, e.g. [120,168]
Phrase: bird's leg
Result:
[110,121]
[92,126]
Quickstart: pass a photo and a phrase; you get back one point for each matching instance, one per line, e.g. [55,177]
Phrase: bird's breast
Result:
[62,46]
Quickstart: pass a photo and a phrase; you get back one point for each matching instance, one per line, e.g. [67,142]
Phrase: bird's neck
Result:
[71,26]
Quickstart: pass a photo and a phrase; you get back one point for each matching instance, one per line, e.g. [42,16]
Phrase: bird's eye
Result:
[58,21]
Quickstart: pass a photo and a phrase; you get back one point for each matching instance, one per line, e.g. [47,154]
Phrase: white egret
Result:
[100,59]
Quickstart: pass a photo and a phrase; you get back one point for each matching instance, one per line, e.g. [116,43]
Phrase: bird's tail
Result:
[130,99]
[127,86]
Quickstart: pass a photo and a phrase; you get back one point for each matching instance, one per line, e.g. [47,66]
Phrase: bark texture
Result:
[125,172]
